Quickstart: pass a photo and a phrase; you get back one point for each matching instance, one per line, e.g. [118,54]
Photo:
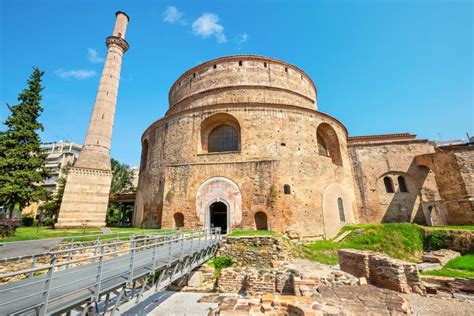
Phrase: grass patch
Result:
[465,262]
[460,267]
[30,233]
[401,241]
[243,233]
[463,227]
[450,273]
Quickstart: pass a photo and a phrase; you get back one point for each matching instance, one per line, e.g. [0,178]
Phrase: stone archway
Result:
[219,189]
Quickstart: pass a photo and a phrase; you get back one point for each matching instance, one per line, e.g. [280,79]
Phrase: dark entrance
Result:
[218,216]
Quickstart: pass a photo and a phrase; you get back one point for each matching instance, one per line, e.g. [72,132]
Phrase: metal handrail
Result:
[137,244]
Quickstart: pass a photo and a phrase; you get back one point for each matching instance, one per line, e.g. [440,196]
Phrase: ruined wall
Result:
[278,146]
[375,159]
[454,170]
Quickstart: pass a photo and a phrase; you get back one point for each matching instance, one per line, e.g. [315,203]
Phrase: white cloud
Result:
[241,39]
[76,74]
[172,15]
[206,25]
[93,56]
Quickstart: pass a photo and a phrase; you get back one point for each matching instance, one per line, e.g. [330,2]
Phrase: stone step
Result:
[342,236]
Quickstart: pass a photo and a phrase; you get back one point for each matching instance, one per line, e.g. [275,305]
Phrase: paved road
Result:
[31,247]
[171,304]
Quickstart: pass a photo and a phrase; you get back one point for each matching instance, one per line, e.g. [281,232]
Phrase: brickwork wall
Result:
[381,270]
[372,161]
[454,170]
[278,147]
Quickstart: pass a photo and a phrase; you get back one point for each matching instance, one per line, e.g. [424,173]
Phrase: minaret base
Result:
[85,199]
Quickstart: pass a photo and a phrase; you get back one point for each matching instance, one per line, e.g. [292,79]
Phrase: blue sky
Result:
[380,66]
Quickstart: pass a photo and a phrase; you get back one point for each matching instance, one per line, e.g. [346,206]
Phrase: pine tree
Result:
[21,160]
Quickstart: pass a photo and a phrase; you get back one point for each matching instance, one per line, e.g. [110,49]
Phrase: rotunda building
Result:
[243,146]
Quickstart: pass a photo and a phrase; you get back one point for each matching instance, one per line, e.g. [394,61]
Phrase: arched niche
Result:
[336,195]
[328,143]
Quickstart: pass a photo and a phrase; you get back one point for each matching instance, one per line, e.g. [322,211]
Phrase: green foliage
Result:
[401,241]
[450,273]
[8,227]
[465,262]
[122,178]
[240,233]
[50,209]
[27,220]
[220,263]
[435,240]
[122,182]
[21,159]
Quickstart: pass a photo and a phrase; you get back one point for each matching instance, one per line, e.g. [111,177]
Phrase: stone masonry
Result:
[381,270]
[86,194]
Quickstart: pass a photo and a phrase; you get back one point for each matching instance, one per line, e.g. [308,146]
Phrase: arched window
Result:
[340,206]
[223,138]
[178,220]
[287,189]
[261,222]
[328,143]
[402,184]
[387,181]
[144,158]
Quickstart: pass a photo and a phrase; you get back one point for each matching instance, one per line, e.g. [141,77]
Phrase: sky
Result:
[379,66]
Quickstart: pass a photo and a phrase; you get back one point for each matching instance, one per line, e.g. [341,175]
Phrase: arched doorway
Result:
[218,216]
[261,222]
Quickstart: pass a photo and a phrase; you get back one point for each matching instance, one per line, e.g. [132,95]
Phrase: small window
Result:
[265,65]
[194,75]
[402,184]
[340,206]
[283,144]
[286,69]
[287,189]
[240,63]
[178,220]
[215,66]
[387,181]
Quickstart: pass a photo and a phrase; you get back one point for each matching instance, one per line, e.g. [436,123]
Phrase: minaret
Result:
[86,194]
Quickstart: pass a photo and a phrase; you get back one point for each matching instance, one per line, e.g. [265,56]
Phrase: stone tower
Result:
[87,189]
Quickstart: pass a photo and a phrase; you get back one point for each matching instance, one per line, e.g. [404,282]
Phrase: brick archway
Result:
[219,189]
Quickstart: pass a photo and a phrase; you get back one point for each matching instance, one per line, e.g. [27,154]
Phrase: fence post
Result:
[100,267]
[132,260]
[47,286]
[33,264]
[169,251]
[155,245]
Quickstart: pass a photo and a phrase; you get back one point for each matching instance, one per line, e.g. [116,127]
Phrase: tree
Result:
[50,209]
[21,160]
[122,182]
[122,178]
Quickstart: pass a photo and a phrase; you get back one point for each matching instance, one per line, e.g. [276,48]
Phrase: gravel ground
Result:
[171,304]
[429,305]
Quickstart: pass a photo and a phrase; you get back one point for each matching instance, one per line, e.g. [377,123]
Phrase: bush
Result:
[27,220]
[48,221]
[435,240]
[222,262]
[8,227]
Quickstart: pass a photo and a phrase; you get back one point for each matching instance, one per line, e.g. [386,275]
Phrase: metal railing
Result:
[80,275]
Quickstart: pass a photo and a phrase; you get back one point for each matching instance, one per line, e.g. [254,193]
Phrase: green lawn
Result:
[401,241]
[28,233]
[242,233]
[460,267]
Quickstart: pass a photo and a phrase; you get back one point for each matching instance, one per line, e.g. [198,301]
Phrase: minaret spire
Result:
[87,188]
